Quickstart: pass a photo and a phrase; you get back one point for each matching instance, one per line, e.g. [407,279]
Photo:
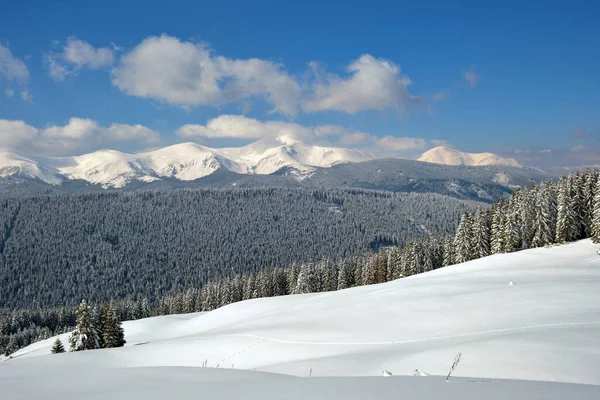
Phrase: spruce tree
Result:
[462,240]
[112,331]
[58,347]
[589,193]
[481,235]
[543,224]
[448,252]
[85,336]
[497,229]
[565,222]
[595,228]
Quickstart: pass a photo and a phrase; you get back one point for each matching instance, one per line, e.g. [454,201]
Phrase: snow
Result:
[448,156]
[546,328]
[185,162]
[17,165]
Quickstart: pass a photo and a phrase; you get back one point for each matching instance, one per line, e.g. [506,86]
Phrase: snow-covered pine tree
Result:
[577,183]
[189,301]
[565,222]
[497,229]
[511,238]
[543,224]
[345,275]
[526,215]
[463,238]
[58,347]
[589,192]
[410,259]
[112,332]
[85,336]
[481,235]
[395,264]
[307,280]
[448,251]
[381,266]
[279,282]
[596,215]
[427,255]
[330,275]
[249,286]
[369,272]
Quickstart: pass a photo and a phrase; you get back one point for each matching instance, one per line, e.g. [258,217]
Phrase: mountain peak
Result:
[184,161]
[449,156]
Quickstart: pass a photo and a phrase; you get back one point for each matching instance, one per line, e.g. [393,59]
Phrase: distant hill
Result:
[448,156]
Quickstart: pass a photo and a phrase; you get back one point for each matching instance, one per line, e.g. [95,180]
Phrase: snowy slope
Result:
[545,327]
[448,156]
[14,165]
[185,162]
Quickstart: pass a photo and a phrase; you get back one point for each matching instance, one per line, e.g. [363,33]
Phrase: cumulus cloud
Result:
[471,77]
[12,68]
[401,143]
[241,127]
[75,55]
[189,74]
[372,84]
[25,96]
[78,135]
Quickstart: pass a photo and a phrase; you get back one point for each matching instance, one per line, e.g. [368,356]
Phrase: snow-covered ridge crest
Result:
[185,162]
[448,156]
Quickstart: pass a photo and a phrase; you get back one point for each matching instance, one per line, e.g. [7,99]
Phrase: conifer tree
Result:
[448,252]
[112,331]
[497,229]
[481,235]
[543,224]
[589,193]
[565,222]
[462,239]
[58,347]
[576,186]
[596,215]
[85,336]
[510,232]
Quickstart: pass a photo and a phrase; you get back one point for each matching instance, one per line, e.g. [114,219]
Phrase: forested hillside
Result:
[56,250]
[554,212]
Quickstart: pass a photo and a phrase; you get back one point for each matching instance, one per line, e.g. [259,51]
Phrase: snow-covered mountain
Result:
[185,162]
[448,156]
[17,165]
[529,316]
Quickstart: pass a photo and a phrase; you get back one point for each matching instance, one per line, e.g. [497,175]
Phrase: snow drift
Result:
[545,327]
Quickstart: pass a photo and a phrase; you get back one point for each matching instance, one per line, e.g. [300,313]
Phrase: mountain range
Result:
[281,162]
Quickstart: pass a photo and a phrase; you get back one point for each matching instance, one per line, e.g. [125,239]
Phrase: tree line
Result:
[57,250]
[554,212]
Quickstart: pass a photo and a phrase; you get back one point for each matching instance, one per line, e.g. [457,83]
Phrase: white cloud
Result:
[77,136]
[9,92]
[373,84]
[12,68]
[77,54]
[471,77]
[401,143]
[240,127]
[189,74]
[26,96]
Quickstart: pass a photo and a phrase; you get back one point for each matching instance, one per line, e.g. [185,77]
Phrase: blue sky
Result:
[532,67]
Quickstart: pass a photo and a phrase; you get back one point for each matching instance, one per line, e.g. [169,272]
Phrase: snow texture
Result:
[546,328]
[185,162]
[448,156]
